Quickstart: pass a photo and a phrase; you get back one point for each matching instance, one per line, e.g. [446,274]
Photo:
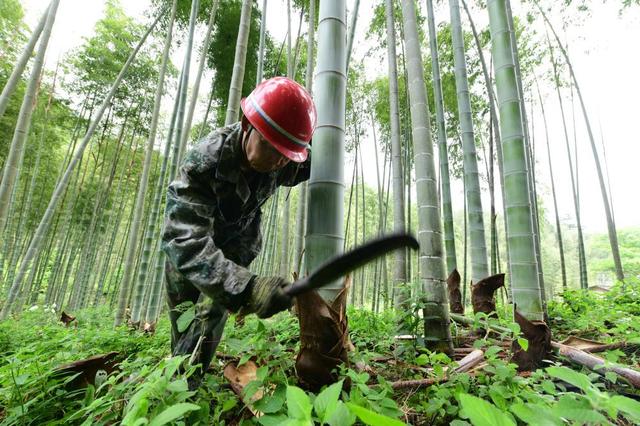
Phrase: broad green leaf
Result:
[627,405]
[229,404]
[535,415]
[370,418]
[482,413]
[262,373]
[138,410]
[244,359]
[21,379]
[611,376]
[423,359]
[271,403]
[580,415]
[524,343]
[341,416]
[548,386]
[272,420]
[326,401]
[172,413]
[183,306]
[298,403]
[577,409]
[178,386]
[297,422]
[579,380]
[492,351]
[185,319]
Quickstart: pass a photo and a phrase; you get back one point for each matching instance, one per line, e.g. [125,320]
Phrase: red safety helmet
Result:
[284,114]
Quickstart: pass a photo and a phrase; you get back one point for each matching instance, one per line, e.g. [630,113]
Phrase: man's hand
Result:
[267,296]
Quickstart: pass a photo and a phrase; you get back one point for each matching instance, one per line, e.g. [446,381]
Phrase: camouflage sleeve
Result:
[187,240]
[294,173]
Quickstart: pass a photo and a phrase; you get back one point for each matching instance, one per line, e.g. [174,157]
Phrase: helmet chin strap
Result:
[245,141]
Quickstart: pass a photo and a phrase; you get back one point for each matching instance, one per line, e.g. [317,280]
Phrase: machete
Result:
[347,262]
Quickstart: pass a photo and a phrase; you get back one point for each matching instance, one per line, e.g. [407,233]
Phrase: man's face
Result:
[261,155]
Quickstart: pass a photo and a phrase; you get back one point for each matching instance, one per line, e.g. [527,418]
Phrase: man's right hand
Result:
[268,296]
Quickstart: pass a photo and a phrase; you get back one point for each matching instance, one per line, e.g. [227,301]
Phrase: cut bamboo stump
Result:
[592,362]
[482,294]
[455,297]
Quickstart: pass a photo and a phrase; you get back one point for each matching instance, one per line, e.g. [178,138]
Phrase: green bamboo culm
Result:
[611,227]
[151,239]
[36,241]
[445,185]
[196,83]
[235,89]
[125,286]
[301,214]
[21,63]
[563,268]
[132,244]
[352,30]
[23,124]
[401,290]
[284,260]
[520,239]
[529,157]
[263,25]
[479,265]
[436,305]
[495,126]
[582,263]
[325,218]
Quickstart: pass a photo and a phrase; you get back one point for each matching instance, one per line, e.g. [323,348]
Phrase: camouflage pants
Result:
[210,318]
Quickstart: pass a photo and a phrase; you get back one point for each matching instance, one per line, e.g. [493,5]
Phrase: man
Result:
[212,222]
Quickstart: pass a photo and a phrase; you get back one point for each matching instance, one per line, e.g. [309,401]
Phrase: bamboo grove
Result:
[90,144]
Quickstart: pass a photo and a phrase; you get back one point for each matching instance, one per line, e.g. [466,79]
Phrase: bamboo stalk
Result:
[144,177]
[436,310]
[237,78]
[301,215]
[611,228]
[23,124]
[479,266]
[196,83]
[525,283]
[18,69]
[401,298]
[325,218]
[445,185]
[553,192]
[34,246]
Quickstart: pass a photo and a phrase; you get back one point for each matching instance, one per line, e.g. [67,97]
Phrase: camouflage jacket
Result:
[212,220]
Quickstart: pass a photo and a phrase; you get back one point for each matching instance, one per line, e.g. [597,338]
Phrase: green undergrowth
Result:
[151,388]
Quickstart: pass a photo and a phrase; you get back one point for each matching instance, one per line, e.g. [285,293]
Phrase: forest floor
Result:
[148,387]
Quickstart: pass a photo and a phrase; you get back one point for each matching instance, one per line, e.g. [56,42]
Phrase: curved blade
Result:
[347,262]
